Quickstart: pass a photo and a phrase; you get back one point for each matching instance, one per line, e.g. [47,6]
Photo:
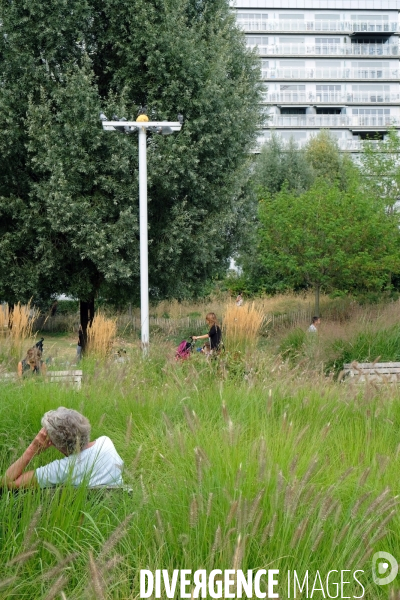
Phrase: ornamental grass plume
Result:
[101,335]
[241,325]
[20,322]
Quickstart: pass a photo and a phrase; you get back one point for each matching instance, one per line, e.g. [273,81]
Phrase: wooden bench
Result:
[68,377]
[73,377]
[372,372]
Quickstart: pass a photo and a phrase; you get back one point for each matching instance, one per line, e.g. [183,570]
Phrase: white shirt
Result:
[98,465]
[312,328]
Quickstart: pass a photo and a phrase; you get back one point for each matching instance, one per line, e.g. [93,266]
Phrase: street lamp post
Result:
[142,125]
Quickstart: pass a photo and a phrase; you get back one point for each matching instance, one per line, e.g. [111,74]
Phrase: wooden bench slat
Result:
[380,371]
[63,373]
[378,378]
[373,372]
[73,377]
[371,365]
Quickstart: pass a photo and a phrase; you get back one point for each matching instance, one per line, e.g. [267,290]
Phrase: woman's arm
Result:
[20,368]
[200,337]
[14,476]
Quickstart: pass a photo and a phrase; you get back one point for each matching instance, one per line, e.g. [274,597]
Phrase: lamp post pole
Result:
[144,260]
[142,125]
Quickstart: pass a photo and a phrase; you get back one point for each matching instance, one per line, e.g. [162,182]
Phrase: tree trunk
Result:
[86,309]
[316,309]
[10,314]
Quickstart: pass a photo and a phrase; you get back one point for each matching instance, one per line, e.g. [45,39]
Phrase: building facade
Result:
[326,64]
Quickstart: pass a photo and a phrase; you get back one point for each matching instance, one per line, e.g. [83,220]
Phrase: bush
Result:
[292,345]
[367,346]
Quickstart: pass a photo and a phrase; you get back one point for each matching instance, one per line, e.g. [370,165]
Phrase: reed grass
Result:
[241,324]
[18,326]
[101,335]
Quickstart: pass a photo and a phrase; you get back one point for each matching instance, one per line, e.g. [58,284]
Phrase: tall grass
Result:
[18,327]
[266,466]
[281,470]
[241,325]
[101,335]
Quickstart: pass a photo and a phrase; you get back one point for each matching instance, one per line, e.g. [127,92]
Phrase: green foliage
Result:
[367,346]
[67,307]
[292,345]
[325,159]
[381,168]
[282,163]
[68,190]
[328,237]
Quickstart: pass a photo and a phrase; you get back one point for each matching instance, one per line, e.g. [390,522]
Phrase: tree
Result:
[68,191]
[282,163]
[328,238]
[325,159]
[380,164]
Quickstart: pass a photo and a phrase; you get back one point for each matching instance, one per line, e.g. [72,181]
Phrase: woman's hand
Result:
[194,337]
[42,441]
[14,476]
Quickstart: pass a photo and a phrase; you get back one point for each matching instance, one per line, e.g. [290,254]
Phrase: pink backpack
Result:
[183,351]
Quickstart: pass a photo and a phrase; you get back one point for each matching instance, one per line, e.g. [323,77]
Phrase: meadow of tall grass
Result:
[265,467]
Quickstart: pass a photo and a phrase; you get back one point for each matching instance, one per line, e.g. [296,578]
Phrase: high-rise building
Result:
[326,63]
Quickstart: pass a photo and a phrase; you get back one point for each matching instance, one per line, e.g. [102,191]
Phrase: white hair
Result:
[67,428]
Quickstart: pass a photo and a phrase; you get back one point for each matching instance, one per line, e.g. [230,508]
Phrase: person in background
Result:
[95,463]
[214,334]
[32,364]
[316,321]
[239,299]
[79,344]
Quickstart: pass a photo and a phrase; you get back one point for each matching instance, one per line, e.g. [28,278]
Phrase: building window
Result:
[329,111]
[290,16]
[329,88]
[257,40]
[293,111]
[328,17]
[327,41]
[292,88]
[292,63]
[371,111]
[291,40]
[369,17]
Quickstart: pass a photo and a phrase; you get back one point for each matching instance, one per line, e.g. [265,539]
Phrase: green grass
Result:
[251,467]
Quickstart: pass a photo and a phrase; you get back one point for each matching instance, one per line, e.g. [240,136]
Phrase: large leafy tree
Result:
[329,238]
[68,191]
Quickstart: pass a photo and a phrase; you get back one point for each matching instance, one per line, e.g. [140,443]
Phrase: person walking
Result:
[316,321]
[239,299]
[214,334]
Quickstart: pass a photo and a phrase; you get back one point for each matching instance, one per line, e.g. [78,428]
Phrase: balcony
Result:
[329,74]
[343,121]
[331,97]
[299,25]
[348,145]
[328,50]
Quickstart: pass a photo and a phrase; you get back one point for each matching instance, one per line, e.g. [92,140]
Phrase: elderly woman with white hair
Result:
[94,464]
